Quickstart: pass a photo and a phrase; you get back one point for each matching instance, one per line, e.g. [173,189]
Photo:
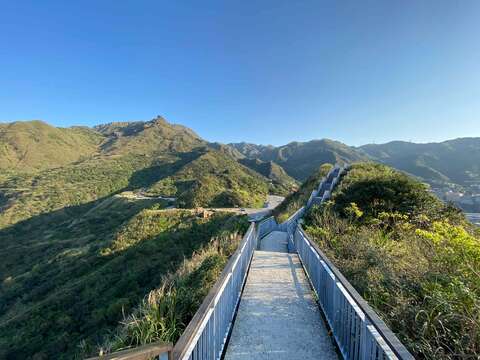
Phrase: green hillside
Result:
[278,176]
[413,258]
[213,179]
[68,281]
[27,146]
[156,157]
[151,137]
[299,198]
[82,209]
[300,159]
[449,167]
[84,239]
[456,161]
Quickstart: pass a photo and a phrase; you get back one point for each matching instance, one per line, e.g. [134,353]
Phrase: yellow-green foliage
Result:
[414,259]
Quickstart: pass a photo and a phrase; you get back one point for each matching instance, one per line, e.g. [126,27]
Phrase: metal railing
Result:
[357,329]
[266,226]
[158,350]
[206,334]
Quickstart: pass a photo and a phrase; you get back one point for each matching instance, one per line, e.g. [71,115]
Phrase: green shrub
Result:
[415,260]
[296,200]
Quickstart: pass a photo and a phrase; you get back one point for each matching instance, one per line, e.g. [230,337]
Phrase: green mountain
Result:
[151,137]
[34,145]
[451,168]
[85,236]
[455,161]
[155,157]
[272,171]
[300,159]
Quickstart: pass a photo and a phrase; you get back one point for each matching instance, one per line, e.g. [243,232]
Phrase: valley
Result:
[155,210]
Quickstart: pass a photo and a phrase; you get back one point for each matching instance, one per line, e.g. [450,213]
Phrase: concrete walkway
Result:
[278,317]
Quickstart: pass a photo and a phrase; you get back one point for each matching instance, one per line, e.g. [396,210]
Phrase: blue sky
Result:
[257,71]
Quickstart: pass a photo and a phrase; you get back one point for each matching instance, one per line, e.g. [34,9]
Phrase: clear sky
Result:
[257,71]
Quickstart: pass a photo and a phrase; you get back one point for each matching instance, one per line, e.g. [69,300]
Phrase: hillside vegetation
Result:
[27,146]
[86,245]
[66,284]
[456,161]
[299,198]
[413,258]
[154,157]
[281,182]
[166,311]
[449,166]
[301,159]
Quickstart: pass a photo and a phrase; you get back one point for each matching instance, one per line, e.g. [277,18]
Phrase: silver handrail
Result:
[357,329]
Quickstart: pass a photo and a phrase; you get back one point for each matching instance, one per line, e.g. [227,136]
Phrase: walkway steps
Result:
[278,317]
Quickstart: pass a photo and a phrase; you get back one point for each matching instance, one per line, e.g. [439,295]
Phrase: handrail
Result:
[357,329]
[266,226]
[394,344]
[206,334]
[289,224]
[144,352]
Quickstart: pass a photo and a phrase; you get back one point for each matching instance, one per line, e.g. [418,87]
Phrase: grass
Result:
[414,259]
[296,200]
[167,310]
[77,256]
[90,270]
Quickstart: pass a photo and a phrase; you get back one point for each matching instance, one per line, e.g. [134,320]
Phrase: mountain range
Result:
[43,168]
[451,168]
[454,161]
[68,194]
[162,159]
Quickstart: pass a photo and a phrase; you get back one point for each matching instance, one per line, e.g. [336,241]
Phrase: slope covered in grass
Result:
[413,258]
[299,198]
[301,159]
[213,179]
[156,157]
[78,253]
[66,282]
[281,182]
[33,145]
[166,311]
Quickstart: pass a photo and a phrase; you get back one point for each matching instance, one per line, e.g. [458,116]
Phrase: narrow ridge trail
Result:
[278,317]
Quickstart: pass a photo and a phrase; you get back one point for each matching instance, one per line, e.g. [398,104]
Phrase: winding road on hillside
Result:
[254,214]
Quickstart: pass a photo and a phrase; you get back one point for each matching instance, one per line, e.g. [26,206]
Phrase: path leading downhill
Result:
[278,317]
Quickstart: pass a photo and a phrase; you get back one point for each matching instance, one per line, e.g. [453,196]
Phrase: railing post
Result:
[364,348]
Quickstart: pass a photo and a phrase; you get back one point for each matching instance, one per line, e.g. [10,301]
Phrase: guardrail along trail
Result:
[271,297]
[278,317]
